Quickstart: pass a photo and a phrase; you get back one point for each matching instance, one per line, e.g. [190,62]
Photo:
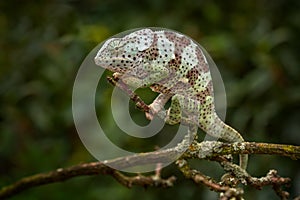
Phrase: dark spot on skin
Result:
[192,75]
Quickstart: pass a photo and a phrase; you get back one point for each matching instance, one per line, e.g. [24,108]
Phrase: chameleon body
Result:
[175,66]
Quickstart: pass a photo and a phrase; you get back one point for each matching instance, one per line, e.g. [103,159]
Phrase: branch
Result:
[216,148]
[204,150]
[94,168]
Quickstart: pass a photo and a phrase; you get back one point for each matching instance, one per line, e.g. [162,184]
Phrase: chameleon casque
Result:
[175,66]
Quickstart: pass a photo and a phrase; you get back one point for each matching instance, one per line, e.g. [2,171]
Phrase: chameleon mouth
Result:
[122,59]
[116,60]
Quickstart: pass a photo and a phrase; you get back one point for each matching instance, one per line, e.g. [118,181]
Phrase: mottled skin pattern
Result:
[174,66]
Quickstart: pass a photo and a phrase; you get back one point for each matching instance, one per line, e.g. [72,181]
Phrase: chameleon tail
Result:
[244,161]
[227,133]
[232,135]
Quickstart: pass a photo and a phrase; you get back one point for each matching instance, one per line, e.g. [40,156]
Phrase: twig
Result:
[225,187]
[199,178]
[225,191]
[272,178]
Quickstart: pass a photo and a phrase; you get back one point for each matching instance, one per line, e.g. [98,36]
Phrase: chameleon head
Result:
[119,54]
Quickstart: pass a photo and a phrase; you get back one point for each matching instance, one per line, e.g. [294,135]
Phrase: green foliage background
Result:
[255,44]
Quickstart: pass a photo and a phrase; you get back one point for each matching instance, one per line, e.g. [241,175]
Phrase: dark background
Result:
[255,44]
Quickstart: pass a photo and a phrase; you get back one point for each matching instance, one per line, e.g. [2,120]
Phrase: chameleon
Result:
[174,66]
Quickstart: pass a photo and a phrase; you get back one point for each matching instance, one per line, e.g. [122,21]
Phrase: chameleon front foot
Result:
[149,115]
[154,109]
[157,106]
